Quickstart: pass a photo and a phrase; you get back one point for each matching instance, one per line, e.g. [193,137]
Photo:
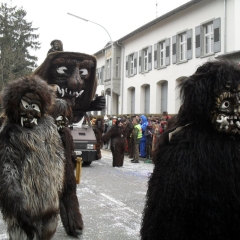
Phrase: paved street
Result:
[111,200]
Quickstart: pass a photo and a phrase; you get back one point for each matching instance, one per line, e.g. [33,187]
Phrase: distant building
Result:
[149,62]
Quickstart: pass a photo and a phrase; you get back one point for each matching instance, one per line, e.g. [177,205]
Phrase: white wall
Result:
[189,18]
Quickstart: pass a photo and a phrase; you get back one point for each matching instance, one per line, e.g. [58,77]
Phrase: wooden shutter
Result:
[198,41]
[174,49]
[140,62]
[126,66]
[189,44]
[149,58]
[155,55]
[167,45]
[135,63]
[217,34]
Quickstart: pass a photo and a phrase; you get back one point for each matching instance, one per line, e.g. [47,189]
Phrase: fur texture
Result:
[69,206]
[117,136]
[31,166]
[194,191]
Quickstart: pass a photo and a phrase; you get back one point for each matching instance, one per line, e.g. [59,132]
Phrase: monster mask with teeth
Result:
[226,116]
[30,110]
[73,78]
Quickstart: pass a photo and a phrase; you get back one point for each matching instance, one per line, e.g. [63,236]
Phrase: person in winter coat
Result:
[144,123]
[116,134]
[149,138]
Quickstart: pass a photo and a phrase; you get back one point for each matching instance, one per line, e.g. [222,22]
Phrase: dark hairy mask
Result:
[61,122]
[226,116]
[29,110]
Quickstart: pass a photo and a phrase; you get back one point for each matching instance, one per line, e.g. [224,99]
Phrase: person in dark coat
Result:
[117,136]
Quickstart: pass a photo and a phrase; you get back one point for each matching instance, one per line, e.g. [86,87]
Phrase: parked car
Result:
[84,139]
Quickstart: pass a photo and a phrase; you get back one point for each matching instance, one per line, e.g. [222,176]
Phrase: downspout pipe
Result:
[225,25]
[122,75]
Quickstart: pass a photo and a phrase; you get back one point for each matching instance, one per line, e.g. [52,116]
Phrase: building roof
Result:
[155,21]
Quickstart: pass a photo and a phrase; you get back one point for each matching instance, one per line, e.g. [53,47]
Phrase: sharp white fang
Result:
[63,93]
[65,90]
[81,92]
[70,92]
[22,121]
[59,90]
[35,121]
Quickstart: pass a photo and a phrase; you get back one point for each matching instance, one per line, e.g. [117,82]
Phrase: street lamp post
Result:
[111,71]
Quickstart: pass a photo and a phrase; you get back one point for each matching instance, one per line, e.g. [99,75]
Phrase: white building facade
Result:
[148,63]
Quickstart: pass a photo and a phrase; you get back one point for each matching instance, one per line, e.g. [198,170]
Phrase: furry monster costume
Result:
[117,135]
[194,191]
[69,206]
[31,161]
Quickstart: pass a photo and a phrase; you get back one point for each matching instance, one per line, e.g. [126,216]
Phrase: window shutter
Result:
[140,62]
[167,44]
[155,55]
[189,44]
[149,58]
[217,34]
[174,49]
[198,41]
[135,63]
[126,66]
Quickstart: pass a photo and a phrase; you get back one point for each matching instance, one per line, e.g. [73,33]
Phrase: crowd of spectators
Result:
[151,129]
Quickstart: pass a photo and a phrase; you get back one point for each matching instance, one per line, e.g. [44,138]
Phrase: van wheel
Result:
[87,163]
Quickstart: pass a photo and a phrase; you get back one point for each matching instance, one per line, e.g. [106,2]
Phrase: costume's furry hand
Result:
[97,104]
[26,224]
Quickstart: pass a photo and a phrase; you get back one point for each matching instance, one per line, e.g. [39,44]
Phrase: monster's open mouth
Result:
[60,127]
[228,121]
[27,120]
[68,93]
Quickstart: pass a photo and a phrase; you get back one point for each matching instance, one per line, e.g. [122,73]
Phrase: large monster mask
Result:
[73,77]
[226,116]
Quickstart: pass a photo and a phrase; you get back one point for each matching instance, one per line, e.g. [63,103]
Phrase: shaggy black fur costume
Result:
[69,206]
[194,191]
[31,162]
[117,136]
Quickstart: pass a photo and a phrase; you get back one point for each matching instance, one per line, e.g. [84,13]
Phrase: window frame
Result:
[145,59]
[162,51]
[207,35]
[182,47]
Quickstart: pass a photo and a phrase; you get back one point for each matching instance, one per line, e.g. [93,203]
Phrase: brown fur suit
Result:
[31,162]
[117,136]
[98,130]
[69,206]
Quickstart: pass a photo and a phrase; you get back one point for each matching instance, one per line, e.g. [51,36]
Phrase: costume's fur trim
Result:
[14,91]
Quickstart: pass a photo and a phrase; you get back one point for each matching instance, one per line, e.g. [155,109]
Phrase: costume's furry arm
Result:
[108,134]
[11,196]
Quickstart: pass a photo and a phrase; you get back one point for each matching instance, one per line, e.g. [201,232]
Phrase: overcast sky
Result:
[118,17]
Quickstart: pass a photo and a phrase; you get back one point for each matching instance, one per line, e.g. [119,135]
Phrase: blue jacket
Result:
[144,125]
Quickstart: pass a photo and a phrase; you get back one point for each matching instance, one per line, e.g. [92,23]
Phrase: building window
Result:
[162,49]
[145,59]
[108,68]
[131,64]
[118,67]
[208,38]
[182,46]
